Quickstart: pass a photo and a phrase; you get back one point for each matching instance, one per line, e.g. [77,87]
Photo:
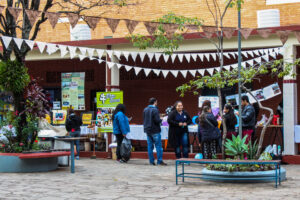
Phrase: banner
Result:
[106,104]
[72,90]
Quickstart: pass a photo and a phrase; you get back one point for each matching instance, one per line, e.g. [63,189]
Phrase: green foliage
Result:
[236,147]
[13,76]
[252,150]
[120,3]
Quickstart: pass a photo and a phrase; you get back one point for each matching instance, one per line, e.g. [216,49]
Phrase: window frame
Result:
[275,2]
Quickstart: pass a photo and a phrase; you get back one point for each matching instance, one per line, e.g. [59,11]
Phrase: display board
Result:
[59,117]
[106,104]
[72,90]
[213,99]
[87,118]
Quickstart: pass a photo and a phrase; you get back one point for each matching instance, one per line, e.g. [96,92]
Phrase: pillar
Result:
[289,102]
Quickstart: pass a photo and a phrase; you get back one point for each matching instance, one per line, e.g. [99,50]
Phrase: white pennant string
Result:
[137,70]
[201,71]
[100,53]
[266,51]
[180,57]
[227,67]
[51,48]
[119,66]
[257,52]
[118,54]
[81,57]
[214,56]
[194,56]
[82,50]
[184,73]
[157,56]
[175,73]
[166,57]
[41,46]
[30,43]
[90,52]
[63,50]
[193,72]
[245,54]
[100,61]
[72,50]
[233,55]
[217,69]
[142,56]
[109,53]
[258,60]
[147,71]
[250,53]
[156,71]
[18,42]
[207,56]
[128,68]
[126,54]
[250,62]
[227,55]
[234,66]
[266,57]
[261,52]
[210,71]
[273,55]
[6,41]
[133,56]
[173,57]
[201,56]
[165,73]
[150,56]
[110,64]
[188,57]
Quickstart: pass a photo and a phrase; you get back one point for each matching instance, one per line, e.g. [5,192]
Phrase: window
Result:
[80,32]
[272,2]
[268,18]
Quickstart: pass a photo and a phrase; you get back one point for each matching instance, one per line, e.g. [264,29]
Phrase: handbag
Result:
[216,134]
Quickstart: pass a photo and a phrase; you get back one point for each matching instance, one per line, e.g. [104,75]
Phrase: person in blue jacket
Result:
[120,127]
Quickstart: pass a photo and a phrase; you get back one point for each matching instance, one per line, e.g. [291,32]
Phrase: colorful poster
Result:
[87,118]
[213,99]
[56,105]
[72,87]
[106,103]
[59,117]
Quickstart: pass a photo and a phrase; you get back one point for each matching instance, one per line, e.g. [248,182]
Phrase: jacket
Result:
[230,122]
[248,117]
[176,131]
[207,129]
[73,122]
[152,120]
[120,124]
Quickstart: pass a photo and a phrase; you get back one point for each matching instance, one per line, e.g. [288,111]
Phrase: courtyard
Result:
[107,179]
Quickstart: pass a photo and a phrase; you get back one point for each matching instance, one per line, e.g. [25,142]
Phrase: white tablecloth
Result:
[297,134]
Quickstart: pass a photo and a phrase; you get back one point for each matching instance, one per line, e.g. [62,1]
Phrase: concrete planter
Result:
[11,163]
[210,174]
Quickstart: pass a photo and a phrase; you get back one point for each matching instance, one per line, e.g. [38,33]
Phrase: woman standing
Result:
[179,120]
[120,128]
[230,120]
[209,131]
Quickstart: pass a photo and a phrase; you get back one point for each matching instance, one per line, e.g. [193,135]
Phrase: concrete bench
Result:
[44,155]
[181,162]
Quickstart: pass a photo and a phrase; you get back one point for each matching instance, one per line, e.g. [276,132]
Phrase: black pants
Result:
[209,149]
[120,138]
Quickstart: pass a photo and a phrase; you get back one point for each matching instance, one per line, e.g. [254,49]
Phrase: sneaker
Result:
[122,161]
[153,164]
[77,157]
[162,163]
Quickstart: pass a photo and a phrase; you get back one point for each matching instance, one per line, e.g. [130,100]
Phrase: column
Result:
[289,103]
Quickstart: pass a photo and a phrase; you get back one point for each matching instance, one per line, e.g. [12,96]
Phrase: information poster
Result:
[87,118]
[106,104]
[213,99]
[59,117]
[72,87]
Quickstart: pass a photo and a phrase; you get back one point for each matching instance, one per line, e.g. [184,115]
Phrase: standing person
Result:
[210,133]
[120,128]
[152,128]
[230,121]
[73,124]
[248,118]
[205,103]
[178,121]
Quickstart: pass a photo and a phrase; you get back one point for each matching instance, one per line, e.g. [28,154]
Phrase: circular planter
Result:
[11,163]
[217,176]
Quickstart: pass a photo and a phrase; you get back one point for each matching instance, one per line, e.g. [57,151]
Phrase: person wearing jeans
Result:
[152,128]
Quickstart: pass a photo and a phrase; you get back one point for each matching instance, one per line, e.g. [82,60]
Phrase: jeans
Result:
[120,138]
[76,134]
[155,139]
[184,142]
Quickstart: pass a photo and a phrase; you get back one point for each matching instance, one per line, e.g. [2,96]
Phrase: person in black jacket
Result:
[73,124]
[230,121]
[152,128]
[209,125]
[178,121]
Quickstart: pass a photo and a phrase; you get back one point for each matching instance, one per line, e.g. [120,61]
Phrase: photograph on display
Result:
[272,90]
[259,95]
[87,118]
[232,99]
[59,117]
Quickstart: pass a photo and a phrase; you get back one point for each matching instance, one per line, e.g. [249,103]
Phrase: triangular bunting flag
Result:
[128,68]
[92,21]
[250,53]
[30,43]
[130,24]
[281,50]
[266,57]
[51,48]
[175,73]
[100,61]
[201,56]
[184,73]
[112,23]
[257,52]
[133,55]
[53,18]
[193,72]
[265,33]
[151,27]
[41,46]
[261,52]
[72,50]
[194,56]
[6,41]
[234,66]
[73,19]
[165,73]
[81,57]
[188,57]
[283,35]
[109,53]
[207,56]
[100,53]
[142,56]
[173,57]
[210,71]
[250,62]
[258,60]
[201,71]
[32,15]
[110,64]
[150,56]
[246,32]
[118,54]
[166,57]
[157,56]
[119,65]
[18,42]
[228,32]
[266,51]
[227,67]
[297,34]
[147,71]
[63,50]
[217,69]
[156,71]
[170,29]
[227,55]
[245,54]
[15,12]
[126,54]
[180,57]
[92,58]
[233,55]
[137,70]
[273,55]
[209,31]
[82,50]
[91,52]
[214,56]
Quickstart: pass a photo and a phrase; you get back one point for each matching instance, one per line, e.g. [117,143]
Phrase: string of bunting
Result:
[92,53]
[92,21]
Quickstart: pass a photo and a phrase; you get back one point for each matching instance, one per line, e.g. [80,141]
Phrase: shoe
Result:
[77,157]
[162,163]
[122,161]
[152,164]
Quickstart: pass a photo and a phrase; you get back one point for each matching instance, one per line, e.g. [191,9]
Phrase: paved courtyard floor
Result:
[107,179]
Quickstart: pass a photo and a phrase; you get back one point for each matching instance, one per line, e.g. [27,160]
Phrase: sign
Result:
[87,118]
[56,105]
[106,104]
[72,90]
[59,117]
[213,99]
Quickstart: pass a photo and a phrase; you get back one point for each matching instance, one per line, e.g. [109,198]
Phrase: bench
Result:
[44,155]
[181,162]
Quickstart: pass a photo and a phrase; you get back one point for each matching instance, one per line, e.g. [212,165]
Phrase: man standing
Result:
[248,118]
[152,128]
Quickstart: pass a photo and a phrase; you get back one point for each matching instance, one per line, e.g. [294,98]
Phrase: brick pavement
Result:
[106,179]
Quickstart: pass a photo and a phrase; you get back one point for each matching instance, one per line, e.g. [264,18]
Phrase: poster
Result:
[59,117]
[87,118]
[213,99]
[106,104]
[72,90]
[56,105]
